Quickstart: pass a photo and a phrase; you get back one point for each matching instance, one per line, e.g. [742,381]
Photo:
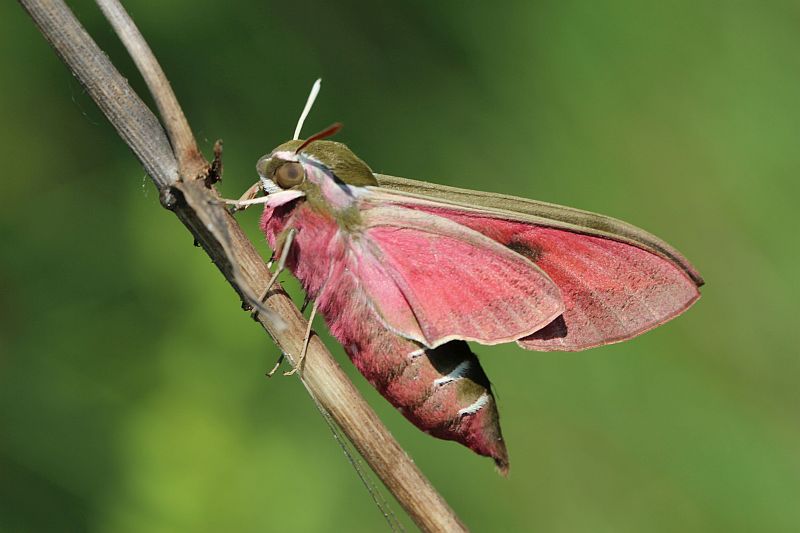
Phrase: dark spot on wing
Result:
[534,253]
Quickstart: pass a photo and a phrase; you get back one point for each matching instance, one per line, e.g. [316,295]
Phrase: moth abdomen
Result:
[443,391]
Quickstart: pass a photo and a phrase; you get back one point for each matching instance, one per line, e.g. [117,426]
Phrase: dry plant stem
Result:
[141,131]
[191,162]
[200,209]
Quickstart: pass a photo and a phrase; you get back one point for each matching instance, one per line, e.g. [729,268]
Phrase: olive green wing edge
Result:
[543,213]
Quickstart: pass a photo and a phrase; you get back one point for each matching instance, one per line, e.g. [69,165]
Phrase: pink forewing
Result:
[612,290]
[433,280]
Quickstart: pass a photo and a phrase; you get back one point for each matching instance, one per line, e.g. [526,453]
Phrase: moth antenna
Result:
[312,96]
[327,132]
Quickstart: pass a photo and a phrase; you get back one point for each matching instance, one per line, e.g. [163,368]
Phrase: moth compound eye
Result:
[289,174]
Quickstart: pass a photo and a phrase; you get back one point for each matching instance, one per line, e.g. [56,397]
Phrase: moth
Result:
[406,273]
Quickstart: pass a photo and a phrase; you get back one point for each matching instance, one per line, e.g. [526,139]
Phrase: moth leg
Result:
[277,364]
[247,199]
[287,244]
[299,362]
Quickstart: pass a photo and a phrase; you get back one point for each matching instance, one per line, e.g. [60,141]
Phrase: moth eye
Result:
[289,174]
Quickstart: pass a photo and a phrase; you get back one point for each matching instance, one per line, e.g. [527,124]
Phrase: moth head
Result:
[279,174]
[286,168]
[296,163]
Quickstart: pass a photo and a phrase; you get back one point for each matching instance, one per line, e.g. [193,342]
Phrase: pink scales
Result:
[442,390]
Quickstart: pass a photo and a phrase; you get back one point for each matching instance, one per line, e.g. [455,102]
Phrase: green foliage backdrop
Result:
[132,395]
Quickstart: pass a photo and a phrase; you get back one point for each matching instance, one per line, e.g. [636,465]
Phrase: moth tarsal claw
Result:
[299,364]
[277,364]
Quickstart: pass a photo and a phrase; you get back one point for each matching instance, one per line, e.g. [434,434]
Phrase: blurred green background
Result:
[132,390]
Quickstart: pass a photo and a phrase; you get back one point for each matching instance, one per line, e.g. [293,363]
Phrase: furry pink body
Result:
[443,390]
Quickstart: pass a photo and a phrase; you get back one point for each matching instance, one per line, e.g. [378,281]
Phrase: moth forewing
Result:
[538,212]
[614,287]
